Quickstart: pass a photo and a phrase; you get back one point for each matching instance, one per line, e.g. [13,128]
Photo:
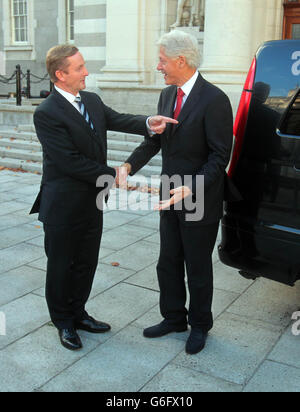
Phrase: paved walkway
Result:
[251,347]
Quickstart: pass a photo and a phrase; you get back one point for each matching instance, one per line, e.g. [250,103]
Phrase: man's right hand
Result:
[122,173]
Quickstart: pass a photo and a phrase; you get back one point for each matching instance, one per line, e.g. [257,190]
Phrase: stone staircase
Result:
[20,149]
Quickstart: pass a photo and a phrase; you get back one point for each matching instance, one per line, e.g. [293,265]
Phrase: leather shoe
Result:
[69,339]
[162,329]
[91,325]
[196,341]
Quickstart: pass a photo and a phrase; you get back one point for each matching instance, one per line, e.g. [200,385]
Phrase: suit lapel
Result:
[69,109]
[77,117]
[168,109]
[191,103]
[95,118]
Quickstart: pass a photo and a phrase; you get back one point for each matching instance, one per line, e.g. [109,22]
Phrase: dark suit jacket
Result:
[74,155]
[199,145]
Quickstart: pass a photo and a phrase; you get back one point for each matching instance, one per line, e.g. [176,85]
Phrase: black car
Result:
[261,233]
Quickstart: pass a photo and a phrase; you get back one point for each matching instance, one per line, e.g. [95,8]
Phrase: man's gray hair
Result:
[178,43]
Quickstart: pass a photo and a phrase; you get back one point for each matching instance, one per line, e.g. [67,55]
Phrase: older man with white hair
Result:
[200,145]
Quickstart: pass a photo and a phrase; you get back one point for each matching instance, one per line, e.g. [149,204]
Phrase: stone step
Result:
[14,134]
[28,128]
[13,142]
[21,144]
[148,171]
[29,134]
[122,146]
[21,154]
[125,137]
[122,156]
[21,164]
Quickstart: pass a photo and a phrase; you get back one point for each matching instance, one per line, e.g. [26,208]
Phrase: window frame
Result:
[69,25]
[14,29]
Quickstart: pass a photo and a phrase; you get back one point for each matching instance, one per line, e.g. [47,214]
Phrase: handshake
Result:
[156,125]
[123,172]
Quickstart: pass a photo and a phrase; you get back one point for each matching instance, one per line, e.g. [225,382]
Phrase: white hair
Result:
[178,43]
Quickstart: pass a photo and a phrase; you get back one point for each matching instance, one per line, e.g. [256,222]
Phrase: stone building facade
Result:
[118,40]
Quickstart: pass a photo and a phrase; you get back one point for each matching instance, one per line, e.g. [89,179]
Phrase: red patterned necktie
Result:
[180,96]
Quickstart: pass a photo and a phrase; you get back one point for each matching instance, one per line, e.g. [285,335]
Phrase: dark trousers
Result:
[189,246]
[72,253]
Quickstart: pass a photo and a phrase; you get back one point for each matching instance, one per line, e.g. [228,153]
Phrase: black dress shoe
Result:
[196,341]
[91,325]
[69,339]
[162,329]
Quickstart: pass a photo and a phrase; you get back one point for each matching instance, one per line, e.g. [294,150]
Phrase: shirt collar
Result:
[69,96]
[187,87]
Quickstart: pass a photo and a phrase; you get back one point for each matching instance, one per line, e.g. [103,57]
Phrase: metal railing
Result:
[17,77]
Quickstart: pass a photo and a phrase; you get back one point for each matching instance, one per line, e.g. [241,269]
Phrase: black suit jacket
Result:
[199,145]
[74,155]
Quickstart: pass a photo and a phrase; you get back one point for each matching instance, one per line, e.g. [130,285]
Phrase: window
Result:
[70,21]
[19,21]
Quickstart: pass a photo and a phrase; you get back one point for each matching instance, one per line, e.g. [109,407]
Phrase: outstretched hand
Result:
[177,196]
[158,124]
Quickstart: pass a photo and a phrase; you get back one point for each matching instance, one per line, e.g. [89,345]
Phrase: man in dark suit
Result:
[200,145]
[71,126]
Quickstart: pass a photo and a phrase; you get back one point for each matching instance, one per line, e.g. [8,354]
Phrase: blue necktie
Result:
[84,112]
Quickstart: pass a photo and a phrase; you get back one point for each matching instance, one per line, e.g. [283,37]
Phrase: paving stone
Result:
[174,378]
[227,278]
[33,360]
[17,234]
[19,282]
[146,278]
[122,304]
[18,255]
[37,241]
[151,221]
[7,196]
[11,220]
[23,316]
[27,189]
[275,377]
[135,257]
[116,218]
[268,301]
[287,349]
[155,238]
[10,207]
[111,364]
[235,348]
[10,186]
[124,236]
[222,299]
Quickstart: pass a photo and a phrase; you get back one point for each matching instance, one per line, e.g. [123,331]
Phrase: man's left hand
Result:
[178,195]
[158,124]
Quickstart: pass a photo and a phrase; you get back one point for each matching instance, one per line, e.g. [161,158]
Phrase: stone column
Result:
[125,23]
[227,41]
[128,79]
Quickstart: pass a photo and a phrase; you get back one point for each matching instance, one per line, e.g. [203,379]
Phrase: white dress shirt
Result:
[70,97]
[187,88]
